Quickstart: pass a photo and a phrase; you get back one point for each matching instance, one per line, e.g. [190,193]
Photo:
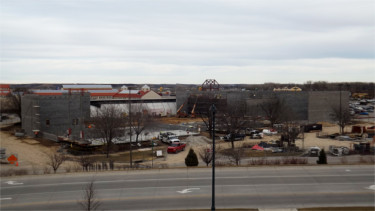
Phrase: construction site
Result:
[64,127]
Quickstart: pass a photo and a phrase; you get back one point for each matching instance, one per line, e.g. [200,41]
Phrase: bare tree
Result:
[55,159]
[274,109]
[232,119]
[89,198]
[85,161]
[206,155]
[140,120]
[290,132]
[12,103]
[235,155]
[342,117]
[108,124]
[204,104]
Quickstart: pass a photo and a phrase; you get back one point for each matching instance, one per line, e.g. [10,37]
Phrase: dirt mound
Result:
[176,121]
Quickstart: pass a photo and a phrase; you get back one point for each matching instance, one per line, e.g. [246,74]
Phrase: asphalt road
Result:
[253,187]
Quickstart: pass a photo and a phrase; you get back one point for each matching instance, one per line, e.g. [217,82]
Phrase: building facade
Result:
[305,106]
[49,116]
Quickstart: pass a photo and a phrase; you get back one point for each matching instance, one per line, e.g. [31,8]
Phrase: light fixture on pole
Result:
[213,110]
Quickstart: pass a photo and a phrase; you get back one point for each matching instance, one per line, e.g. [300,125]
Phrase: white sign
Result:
[159,153]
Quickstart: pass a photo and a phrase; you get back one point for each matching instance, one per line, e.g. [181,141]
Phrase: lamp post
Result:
[213,110]
[152,154]
[340,119]
[130,131]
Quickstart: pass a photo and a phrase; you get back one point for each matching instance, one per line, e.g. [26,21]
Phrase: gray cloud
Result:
[216,39]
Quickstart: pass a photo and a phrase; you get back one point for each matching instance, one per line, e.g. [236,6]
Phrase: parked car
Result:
[255,134]
[277,149]
[176,147]
[173,140]
[269,132]
[237,137]
[313,151]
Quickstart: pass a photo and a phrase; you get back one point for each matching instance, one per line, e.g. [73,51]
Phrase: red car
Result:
[176,147]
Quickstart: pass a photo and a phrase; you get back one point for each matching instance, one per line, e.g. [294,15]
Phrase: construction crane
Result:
[193,110]
[180,113]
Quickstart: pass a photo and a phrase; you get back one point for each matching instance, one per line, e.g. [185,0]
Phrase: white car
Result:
[174,140]
[269,132]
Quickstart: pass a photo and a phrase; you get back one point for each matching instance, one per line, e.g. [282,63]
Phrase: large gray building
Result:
[306,106]
[50,116]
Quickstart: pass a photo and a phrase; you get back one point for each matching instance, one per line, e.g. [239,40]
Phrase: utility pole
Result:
[152,155]
[130,131]
[213,110]
[303,137]
[340,119]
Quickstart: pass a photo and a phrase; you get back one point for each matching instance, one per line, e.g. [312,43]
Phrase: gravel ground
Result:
[32,154]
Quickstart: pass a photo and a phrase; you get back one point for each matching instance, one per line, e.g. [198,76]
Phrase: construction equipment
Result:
[193,110]
[181,114]
[338,150]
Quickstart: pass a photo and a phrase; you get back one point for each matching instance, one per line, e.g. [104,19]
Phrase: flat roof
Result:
[86,86]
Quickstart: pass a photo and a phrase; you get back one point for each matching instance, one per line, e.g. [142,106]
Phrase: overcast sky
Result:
[174,41]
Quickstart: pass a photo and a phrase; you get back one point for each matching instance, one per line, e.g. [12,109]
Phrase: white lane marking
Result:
[5,199]
[14,183]
[371,187]
[187,190]
[347,170]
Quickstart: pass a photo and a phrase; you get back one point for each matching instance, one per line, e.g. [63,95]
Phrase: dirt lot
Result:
[32,153]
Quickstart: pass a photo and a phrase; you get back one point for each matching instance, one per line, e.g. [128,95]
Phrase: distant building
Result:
[145,88]
[4,90]
[103,92]
[304,106]
[286,89]
[124,88]
[52,115]
[86,88]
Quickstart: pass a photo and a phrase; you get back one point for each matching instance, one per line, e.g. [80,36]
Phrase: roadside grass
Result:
[338,209]
[13,172]
[254,153]
[234,209]
[124,157]
[300,209]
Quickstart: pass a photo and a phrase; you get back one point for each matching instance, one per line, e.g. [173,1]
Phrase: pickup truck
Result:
[165,136]
[176,147]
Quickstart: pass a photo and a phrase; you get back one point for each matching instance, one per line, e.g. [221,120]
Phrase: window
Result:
[75,121]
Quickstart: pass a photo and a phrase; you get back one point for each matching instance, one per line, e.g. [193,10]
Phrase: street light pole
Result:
[213,110]
[340,119]
[130,131]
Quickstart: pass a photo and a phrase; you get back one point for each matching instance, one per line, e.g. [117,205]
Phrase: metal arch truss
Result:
[210,85]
